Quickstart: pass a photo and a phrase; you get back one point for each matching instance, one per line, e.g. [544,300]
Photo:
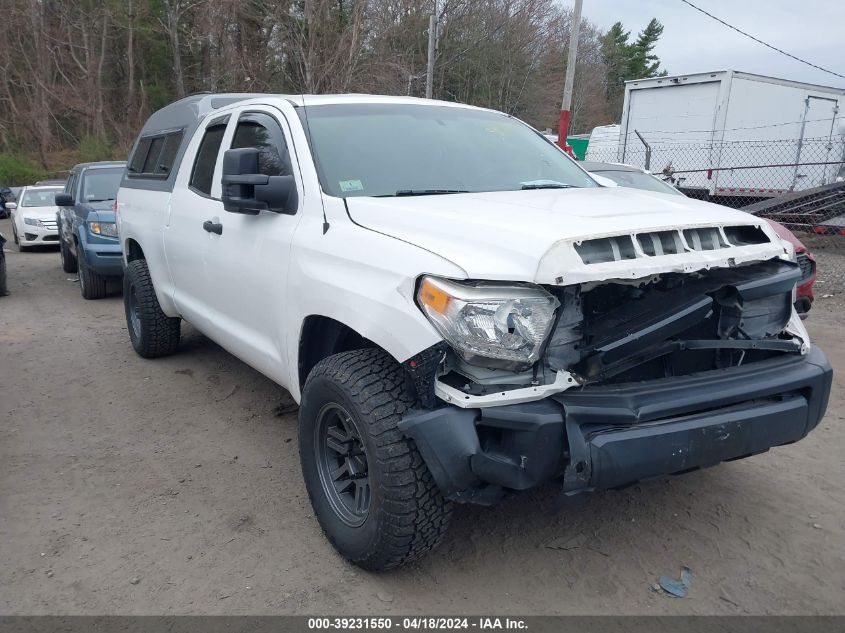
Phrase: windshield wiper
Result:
[545,184]
[427,192]
[100,199]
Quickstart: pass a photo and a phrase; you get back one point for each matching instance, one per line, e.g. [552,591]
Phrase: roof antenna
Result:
[311,143]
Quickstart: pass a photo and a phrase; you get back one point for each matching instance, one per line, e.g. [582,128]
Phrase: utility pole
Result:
[432,46]
[565,108]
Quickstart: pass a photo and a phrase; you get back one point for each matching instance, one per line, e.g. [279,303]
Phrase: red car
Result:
[804,292]
[630,176]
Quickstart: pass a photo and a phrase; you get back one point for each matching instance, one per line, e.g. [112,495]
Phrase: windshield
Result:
[399,149]
[638,180]
[101,184]
[40,197]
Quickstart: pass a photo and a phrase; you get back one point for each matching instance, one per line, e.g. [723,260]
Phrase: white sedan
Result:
[34,217]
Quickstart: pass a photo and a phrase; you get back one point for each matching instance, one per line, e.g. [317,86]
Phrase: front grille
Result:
[807,266]
[50,225]
[50,238]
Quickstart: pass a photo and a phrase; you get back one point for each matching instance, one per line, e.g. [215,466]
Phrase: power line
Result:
[748,127]
[759,41]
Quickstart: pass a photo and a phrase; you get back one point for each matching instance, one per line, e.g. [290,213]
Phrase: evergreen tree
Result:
[626,60]
[644,63]
[616,53]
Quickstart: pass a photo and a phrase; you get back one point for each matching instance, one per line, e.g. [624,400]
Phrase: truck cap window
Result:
[390,149]
[154,155]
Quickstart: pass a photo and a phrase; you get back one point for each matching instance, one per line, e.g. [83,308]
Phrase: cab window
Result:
[263,132]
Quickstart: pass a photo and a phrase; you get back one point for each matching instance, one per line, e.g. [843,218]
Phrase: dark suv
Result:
[87,231]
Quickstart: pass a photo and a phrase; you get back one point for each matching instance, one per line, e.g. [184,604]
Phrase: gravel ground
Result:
[172,486]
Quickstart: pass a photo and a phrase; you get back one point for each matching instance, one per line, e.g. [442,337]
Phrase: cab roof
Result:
[187,112]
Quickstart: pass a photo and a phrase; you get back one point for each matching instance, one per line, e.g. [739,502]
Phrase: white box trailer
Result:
[731,133]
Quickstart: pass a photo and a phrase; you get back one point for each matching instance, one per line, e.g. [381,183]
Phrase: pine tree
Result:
[616,53]
[629,60]
[644,63]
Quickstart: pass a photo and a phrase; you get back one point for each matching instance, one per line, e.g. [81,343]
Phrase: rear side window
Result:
[203,173]
[154,155]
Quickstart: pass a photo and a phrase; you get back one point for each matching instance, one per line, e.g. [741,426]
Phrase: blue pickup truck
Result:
[88,240]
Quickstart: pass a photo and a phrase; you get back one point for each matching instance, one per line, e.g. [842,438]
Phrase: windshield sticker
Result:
[351,185]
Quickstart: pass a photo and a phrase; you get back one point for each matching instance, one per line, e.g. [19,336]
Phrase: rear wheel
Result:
[371,490]
[69,263]
[92,285]
[151,331]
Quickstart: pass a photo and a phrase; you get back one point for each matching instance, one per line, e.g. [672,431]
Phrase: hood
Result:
[39,213]
[535,235]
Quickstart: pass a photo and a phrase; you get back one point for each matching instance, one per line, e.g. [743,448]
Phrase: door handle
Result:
[213,227]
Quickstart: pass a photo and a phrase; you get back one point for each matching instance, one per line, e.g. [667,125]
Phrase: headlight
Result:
[107,229]
[31,221]
[490,324]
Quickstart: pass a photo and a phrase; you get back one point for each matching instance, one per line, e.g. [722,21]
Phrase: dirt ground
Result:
[173,486]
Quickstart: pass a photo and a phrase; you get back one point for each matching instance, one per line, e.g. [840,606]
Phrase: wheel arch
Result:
[76,239]
[320,337]
[132,250]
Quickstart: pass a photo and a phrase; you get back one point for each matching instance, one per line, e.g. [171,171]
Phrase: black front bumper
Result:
[608,436]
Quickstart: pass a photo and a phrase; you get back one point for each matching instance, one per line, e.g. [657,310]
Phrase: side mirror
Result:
[245,190]
[64,200]
[11,206]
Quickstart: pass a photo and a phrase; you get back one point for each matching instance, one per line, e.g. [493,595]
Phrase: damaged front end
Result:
[700,361]
[677,324]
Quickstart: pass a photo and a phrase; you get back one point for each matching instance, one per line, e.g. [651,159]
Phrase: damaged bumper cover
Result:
[607,436]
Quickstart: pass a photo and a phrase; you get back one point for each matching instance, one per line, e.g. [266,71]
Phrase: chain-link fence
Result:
[742,173]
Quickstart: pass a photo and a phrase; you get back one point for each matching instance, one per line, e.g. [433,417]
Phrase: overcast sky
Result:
[811,29]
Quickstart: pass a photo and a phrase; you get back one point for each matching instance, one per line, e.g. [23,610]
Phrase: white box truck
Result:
[734,134]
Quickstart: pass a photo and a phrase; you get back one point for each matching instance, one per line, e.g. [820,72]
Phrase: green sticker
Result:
[351,185]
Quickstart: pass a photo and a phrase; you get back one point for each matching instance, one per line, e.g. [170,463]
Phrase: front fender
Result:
[364,280]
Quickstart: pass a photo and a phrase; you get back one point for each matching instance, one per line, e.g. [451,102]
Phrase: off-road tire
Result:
[69,263]
[92,285]
[156,334]
[407,515]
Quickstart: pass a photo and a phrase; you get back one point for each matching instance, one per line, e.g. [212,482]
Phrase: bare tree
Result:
[72,70]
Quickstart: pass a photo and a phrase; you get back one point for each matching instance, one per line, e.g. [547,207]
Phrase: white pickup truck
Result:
[460,310]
